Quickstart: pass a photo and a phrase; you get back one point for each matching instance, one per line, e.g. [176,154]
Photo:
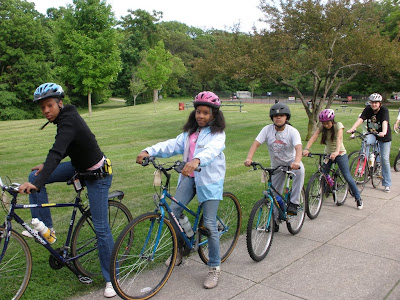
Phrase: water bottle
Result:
[329,179]
[371,160]
[280,202]
[187,227]
[44,230]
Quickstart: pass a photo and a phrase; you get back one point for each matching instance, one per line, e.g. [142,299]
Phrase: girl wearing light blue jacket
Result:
[201,143]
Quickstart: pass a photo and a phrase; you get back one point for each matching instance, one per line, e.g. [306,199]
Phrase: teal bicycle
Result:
[138,269]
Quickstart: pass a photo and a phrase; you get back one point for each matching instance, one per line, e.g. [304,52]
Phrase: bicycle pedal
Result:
[204,231]
[85,279]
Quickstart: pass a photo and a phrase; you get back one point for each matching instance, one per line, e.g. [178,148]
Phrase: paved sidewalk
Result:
[344,253]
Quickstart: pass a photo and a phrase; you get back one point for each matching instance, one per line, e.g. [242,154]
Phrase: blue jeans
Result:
[97,190]
[385,157]
[185,192]
[343,163]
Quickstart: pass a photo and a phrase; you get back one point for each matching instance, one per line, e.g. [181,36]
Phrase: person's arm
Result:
[384,131]
[297,160]
[339,141]
[311,141]
[355,125]
[251,152]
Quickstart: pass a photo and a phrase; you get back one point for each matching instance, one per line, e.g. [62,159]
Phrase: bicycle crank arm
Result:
[81,278]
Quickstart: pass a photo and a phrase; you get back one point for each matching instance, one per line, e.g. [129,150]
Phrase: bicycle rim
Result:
[15,267]
[138,259]
[396,165]
[229,220]
[294,223]
[376,177]
[260,230]
[314,195]
[359,171]
[341,188]
[84,237]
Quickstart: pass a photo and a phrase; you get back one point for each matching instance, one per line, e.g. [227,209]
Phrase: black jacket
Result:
[73,139]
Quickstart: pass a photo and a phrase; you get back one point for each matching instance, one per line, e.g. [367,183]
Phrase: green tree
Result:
[155,68]
[136,87]
[88,58]
[26,58]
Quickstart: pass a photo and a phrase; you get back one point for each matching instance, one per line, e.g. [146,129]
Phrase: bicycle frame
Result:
[365,151]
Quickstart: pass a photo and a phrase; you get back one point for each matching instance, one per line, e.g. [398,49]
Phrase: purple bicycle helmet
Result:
[48,90]
[375,97]
[326,115]
[208,99]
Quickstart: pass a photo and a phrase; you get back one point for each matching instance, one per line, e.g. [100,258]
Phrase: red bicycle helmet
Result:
[326,115]
[208,99]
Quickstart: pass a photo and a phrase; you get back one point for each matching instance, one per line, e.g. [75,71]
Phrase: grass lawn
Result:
[122,133]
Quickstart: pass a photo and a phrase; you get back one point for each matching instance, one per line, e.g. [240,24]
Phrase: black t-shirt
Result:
[375,120]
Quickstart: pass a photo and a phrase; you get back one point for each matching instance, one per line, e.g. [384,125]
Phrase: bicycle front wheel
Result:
[396,165]
[260,230]
[229,220]
[137,266]
[84,239]
[341,189]
[376,171]
[15,265]
[294,223]
[359,171]
[314,195]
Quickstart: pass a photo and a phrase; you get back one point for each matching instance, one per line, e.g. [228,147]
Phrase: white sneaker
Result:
[387,189]
[27,234]
[109,290]
[212,277]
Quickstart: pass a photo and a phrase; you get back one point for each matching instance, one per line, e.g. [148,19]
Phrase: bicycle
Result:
[318,187]
[396,164]
[137,261]
[79,252]
[363,167]
[261,225]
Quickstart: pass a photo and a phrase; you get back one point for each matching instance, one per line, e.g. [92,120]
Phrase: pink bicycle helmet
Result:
[208,99]
[326,115]
[375,97]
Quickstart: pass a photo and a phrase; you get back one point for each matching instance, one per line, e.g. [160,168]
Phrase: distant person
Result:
[332,138]
[285,149]
[73,139]
[201,143]
[377,117]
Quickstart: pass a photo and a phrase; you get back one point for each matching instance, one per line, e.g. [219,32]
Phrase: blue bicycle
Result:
[138,259]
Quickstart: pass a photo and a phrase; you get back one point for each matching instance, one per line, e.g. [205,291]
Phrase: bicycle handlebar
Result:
[286,169]
[358,134]
[177,165]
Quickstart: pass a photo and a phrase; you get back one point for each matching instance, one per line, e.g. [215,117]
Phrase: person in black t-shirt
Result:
[377,117]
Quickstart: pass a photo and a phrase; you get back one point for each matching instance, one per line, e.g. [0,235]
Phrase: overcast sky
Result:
[204,14]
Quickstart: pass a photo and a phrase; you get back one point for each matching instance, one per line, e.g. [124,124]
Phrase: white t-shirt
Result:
[280,144]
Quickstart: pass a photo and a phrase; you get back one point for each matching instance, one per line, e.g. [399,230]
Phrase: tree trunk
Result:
[134,100]
[155,95]
[90,102]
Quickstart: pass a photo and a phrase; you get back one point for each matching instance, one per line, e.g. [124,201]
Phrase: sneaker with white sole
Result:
[387,189]
[179,259]
[359,204]
[109,290]
[212,277]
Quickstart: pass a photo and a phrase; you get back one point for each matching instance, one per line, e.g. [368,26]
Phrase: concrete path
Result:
[344,253]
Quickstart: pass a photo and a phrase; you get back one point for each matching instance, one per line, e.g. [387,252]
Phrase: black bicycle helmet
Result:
[48,90]
[278,109]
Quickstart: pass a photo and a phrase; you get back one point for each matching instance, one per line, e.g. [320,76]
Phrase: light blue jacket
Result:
[210,180]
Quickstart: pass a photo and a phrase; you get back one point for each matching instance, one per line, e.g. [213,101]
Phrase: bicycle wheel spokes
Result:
[314,195]
[15,267]
[359,171]
[260,230]
[341,188]
[294,223]
[137,266]
[84,239]
[229,220]
[376,177]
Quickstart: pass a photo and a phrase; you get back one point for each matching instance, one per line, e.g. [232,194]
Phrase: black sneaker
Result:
[292,209]
[276,227]
[359,203]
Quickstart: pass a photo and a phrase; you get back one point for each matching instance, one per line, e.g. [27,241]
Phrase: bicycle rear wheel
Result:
[376,171]
[359,171]
[294,223]
[137,266]
[396,165]
[260,229]
[341,189]
[314,195]
[15,265]
[229,220]
[84,237]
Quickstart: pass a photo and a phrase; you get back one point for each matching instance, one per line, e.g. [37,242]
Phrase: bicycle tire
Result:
[260,229]
[314,195]
[138,270]
[396,164]
[353,154]
[341,189]
[15,266]
[359,171]
[229,221]
[84,237]
[376,171]
[295,222]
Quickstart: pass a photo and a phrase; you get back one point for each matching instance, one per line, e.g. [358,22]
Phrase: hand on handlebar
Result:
[190,167]
[248,162]
[27,188]
[141,156]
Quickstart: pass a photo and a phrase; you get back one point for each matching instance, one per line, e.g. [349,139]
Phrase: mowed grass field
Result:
[122,133]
